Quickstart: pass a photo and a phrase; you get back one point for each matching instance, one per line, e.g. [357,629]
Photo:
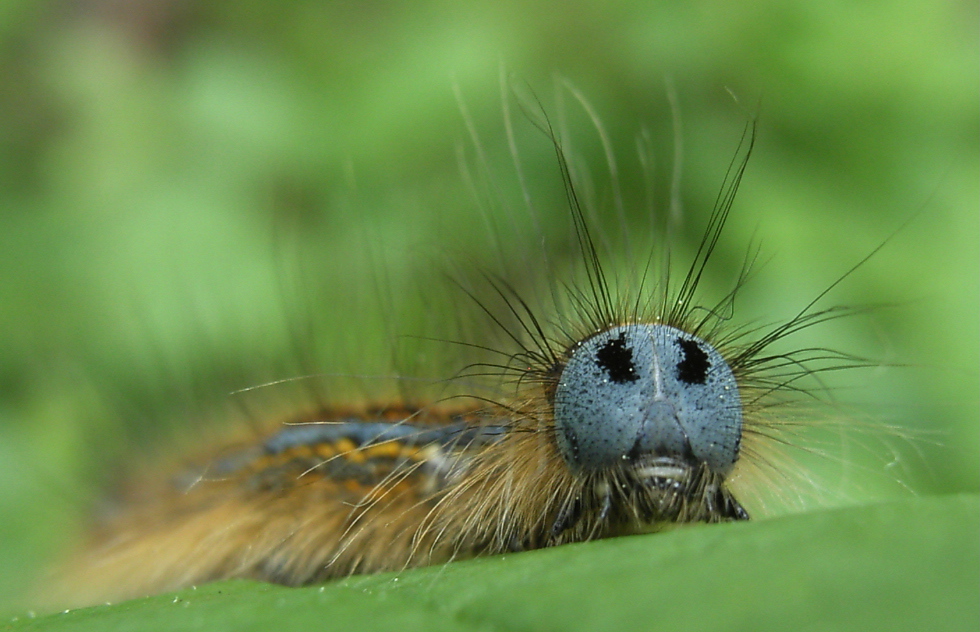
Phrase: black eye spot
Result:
[693,369]
[616,359]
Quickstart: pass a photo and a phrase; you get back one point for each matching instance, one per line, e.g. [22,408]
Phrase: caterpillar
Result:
[615,405]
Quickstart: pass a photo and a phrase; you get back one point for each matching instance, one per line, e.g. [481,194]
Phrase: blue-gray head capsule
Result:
[638,392]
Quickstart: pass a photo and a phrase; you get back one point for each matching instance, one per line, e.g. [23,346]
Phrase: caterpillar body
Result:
[635,407]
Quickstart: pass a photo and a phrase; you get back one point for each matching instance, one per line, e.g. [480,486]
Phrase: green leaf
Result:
[908,565]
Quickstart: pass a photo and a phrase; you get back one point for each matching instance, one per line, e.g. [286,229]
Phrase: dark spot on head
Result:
[616,359]
[693,369]
[573,446]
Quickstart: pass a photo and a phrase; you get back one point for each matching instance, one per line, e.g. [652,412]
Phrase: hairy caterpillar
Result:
[632,407]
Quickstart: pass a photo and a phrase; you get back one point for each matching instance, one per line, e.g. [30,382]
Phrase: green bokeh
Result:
[149,149]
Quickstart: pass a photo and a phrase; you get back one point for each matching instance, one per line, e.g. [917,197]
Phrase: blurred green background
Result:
[151,153]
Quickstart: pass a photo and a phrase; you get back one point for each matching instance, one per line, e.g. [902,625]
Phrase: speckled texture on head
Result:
[647,390]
